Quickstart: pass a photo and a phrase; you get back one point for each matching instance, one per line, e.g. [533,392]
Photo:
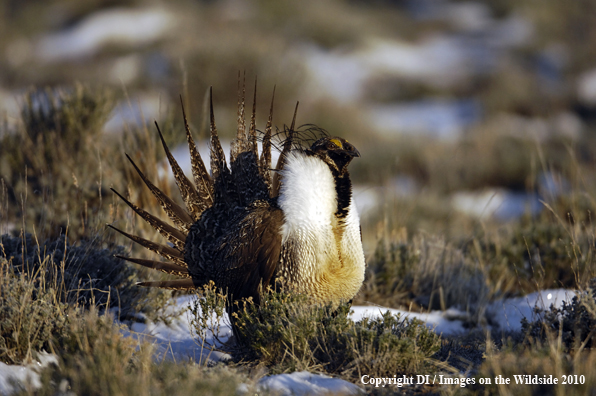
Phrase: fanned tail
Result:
[248,179]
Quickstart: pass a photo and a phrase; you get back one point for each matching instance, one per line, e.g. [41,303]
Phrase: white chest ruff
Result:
[328,263]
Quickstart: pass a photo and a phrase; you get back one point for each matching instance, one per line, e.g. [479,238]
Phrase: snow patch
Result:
[507,314]
[501,314]
[178,340]
[138,111]
[442,322]
[343,74]
[443,119]
[132,27]
[305,383]
[15,377]
[500,204]
[586,87]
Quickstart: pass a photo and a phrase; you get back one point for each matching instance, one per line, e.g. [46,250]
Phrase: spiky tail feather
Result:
[219,188]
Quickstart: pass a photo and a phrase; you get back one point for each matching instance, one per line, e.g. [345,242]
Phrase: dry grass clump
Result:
[51,299]
[539,255]
[96,358]
[57,164]
[541,359]
[84,273]
[44,286]
[52,163]
[30,316]
[424,270]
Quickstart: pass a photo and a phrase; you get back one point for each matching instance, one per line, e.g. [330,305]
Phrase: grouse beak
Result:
[352,153]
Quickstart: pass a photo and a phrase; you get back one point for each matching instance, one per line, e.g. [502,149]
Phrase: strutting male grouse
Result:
[245,228]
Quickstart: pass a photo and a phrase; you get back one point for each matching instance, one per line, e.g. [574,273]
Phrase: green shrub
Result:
[208,313]
[559,343]
[289,332]
[574,322]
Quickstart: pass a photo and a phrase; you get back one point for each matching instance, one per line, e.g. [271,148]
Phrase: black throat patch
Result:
[343,188]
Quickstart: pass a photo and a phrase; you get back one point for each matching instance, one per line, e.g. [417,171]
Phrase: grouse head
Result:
[336,152]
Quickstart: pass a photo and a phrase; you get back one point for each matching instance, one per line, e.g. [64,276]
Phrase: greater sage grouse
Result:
[248,226]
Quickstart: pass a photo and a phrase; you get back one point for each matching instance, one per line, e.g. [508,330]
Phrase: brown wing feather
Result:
[251,253]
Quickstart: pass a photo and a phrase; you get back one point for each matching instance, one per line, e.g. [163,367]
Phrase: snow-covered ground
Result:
[438,118]
[178,340]
[15,374]
[117,26]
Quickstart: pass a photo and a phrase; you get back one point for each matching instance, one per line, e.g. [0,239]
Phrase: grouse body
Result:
[248,226]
